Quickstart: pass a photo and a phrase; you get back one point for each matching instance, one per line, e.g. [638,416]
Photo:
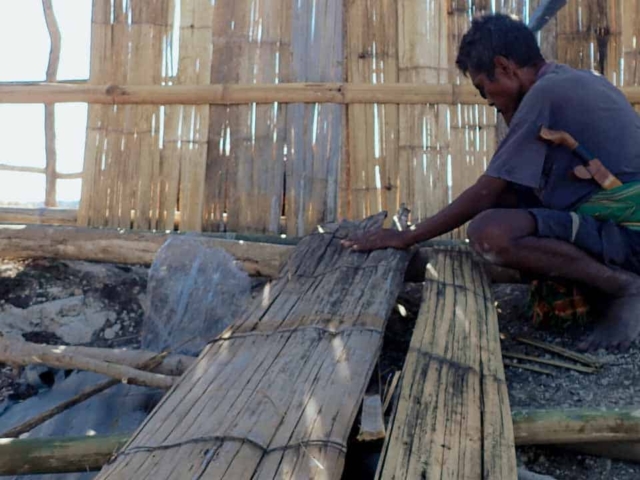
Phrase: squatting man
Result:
[530,210]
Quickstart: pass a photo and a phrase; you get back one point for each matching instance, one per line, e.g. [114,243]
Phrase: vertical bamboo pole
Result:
[372,57]
[138,179]
[247,141]
[261,172]
[221,168]
[314,131]
[187,126]
[101,64]
[49,109]
[631,42]
[424,133]
[122,151]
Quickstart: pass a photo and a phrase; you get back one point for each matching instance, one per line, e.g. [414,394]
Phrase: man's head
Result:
[502,57]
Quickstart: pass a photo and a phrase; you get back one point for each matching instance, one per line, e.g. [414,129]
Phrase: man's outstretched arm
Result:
[483,195]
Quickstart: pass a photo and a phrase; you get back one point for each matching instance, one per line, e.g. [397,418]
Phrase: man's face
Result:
[504,91]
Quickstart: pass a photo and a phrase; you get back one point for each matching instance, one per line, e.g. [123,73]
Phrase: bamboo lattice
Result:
[283,168]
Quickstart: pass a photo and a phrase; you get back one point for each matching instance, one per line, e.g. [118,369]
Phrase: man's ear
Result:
[504,66]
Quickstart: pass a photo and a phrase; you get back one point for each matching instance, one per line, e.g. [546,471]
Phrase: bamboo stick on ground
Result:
[22,353]
[585,359]
[578,368]
[30,353]
[531,368]
[81,397]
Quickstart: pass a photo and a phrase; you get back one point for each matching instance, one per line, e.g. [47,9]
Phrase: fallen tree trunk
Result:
[56,455]
[86,394]
[547,427]
[128,247]
[33,456]
[260,255]
[25,353]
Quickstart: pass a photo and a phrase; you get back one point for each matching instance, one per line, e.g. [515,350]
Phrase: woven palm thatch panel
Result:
[453,419]
[276,394]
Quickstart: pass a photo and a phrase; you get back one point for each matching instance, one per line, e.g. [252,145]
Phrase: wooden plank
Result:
[453,418]
[276,394]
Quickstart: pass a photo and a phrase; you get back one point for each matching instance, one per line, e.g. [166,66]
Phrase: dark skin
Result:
[507,237]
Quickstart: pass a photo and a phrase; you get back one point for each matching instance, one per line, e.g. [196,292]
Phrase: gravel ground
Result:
[615,385]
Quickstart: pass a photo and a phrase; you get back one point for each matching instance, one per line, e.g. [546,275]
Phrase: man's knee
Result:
[492,233]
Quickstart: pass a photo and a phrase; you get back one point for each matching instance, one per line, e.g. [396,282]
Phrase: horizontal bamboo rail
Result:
[38,216]
[342,93]
[227,94]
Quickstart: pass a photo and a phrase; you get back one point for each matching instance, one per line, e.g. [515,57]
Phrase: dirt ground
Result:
[121,290]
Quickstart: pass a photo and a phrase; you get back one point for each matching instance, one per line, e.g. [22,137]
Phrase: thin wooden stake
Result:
[392,388]
[49,108]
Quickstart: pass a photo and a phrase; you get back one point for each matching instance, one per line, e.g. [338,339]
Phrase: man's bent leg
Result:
[508,238]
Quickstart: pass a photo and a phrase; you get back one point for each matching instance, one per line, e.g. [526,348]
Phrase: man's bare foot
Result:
[619,328]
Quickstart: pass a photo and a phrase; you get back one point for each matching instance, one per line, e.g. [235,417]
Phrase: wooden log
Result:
[128,247]
[276,395]
[452,419]
[40,216]
[85,394]
[22,353]
[542,427]
[55,455]
[25,353]
[31,456]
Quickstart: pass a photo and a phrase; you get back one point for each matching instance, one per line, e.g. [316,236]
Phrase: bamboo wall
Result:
[283,168]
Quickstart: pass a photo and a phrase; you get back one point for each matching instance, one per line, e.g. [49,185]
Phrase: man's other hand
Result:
[377,239]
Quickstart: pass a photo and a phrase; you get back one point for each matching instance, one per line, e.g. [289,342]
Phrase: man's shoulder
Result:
[561,78]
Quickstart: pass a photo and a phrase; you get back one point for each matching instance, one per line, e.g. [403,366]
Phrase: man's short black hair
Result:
[496,35]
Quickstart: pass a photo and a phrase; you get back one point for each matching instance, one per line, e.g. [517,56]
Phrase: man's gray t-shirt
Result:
[588,107]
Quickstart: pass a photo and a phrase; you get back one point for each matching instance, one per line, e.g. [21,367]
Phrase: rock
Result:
[193,293]
[73,319]
[109,334]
